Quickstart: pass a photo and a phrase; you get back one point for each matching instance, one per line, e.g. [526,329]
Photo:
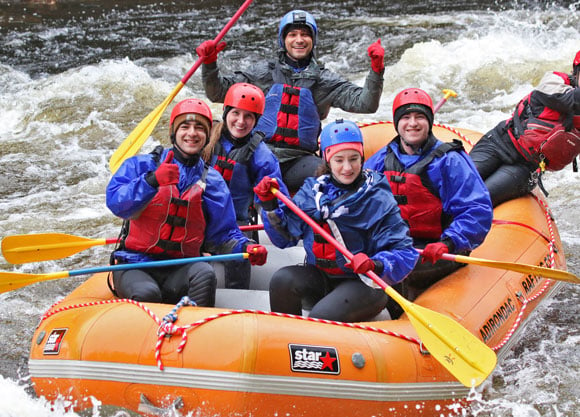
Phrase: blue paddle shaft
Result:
[159,264]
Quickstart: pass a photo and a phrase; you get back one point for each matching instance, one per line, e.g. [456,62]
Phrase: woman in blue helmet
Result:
[357,207]
[299,93]
[243,159]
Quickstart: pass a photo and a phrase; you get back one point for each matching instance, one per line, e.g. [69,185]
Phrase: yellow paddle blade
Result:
[13,280]
[465,356]
[141,133]
[449,93]
[19,249]
[557,274]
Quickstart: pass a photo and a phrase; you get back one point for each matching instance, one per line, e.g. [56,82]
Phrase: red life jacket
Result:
[325,253]
[543,140]
[171,225]
[291,118]
[417,198]
[226,162]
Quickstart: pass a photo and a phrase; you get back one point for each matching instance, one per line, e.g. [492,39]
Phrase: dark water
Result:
[76,77]
[48,37]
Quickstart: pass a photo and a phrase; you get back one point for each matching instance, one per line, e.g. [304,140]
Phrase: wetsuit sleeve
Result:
[465,198]
[336,91]
[216,85]
[222,234]
[128,193]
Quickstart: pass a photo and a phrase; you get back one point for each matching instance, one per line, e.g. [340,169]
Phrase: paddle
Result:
[557,274]
[12,280]
[465,356]
[446,95]
[139,135]
[19,249]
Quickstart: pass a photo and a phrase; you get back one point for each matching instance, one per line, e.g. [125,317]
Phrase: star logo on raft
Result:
[54,341]
[314,359]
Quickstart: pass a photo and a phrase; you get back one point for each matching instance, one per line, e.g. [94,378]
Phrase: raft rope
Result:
[527,226]
[167,328]
[551,261]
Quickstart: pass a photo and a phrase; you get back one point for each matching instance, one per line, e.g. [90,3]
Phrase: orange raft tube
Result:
[224,361]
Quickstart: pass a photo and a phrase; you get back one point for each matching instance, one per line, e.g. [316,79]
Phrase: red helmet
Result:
[246,97]
[412,96]
[412,99]
[191,106]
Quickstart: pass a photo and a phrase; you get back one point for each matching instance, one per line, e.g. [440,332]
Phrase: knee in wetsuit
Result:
[202,285]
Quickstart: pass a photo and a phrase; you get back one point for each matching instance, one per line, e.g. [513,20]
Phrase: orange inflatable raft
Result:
[238,359]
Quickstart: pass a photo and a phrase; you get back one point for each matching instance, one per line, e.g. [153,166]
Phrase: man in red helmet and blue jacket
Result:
[437,188]
[299,93]
[175,206]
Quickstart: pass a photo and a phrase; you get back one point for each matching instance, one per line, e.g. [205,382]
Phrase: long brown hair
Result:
[214,137]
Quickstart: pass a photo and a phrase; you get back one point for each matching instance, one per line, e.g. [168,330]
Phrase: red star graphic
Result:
[327,361]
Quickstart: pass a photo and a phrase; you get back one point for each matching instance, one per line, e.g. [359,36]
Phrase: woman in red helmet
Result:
[437,188]
[175,206]
[243,159]
[358,208]
[542,134]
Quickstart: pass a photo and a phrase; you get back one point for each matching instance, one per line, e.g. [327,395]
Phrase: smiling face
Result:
[414,129]
[240,122]
[298,43]
[345,166]
[191,137]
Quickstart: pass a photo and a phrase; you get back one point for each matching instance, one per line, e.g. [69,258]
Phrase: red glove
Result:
[361,264]
[258,254]
[377,54]
[433,252]
[263,189]
[167,173]
[208,51]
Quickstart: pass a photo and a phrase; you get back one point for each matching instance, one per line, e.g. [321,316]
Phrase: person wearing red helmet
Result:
[174,206]
[542,134]
[358,208]
[239,154]
[438,190]
[300,92]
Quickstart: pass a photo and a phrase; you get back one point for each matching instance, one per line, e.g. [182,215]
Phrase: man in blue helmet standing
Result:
[357,207]
[299,93]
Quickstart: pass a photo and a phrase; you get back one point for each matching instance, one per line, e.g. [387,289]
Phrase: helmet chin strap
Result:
[415,148]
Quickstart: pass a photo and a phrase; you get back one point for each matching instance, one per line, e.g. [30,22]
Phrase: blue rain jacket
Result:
[128,193]
[246,176]
[464,196]
[369,221]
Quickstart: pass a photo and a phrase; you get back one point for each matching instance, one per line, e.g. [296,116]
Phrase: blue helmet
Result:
[340,132]
[297,17]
